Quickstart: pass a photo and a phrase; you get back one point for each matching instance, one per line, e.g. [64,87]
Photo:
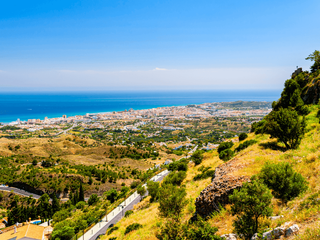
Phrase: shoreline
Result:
[39,106]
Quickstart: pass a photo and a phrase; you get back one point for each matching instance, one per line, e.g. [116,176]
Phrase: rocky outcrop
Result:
[230,236]
[217,193]
[278,232]
[311,94]
[296,73]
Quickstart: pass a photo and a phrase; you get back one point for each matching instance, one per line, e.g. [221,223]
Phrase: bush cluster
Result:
[205,173]
[197,157]
[286,184]
[224,146]
[226,154]
[245,144]
[132,227]
[242,136]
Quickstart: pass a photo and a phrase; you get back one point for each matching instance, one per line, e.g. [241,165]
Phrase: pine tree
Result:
[55,204]
[81,193]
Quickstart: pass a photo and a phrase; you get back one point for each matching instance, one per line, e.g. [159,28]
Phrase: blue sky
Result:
[106,45]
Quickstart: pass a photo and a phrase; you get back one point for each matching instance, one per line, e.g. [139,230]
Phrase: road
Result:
[65,131]
[19,191]
[114,216]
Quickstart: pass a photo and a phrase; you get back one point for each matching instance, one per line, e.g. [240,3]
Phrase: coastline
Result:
[52,105]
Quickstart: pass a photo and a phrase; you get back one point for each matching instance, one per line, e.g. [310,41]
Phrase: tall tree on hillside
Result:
[315,56]
[44,207]
[55,204]
[287,126]
[81,193]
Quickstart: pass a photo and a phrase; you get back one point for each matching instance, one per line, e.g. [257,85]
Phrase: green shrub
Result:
[128,213]
[153,189]
[287,126]
[111,230]
[200,229]
[175,178]
[258,127]
[181,165]
[242,136]
[141,190]
[226,154]
[93,199]
[132,227]
[197,157]
[245,144]
[285,183]
[205,173]
[171,201]
[251,203]
[111,195]
[224,146]
[81,205]
[65,233]
[134,184]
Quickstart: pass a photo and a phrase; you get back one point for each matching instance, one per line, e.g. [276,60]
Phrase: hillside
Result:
[302,210]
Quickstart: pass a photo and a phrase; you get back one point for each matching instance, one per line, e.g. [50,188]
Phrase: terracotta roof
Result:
[29,231]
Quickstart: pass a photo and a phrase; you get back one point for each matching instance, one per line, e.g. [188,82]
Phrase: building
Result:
[27,232]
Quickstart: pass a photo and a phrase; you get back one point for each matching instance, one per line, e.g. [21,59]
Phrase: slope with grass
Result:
[303,210]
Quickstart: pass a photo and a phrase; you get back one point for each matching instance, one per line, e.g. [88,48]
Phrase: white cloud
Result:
[160,69]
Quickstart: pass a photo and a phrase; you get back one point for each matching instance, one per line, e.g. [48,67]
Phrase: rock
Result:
[294,229]
[296,73]
[217,193]
[255,236]
[276,217]
[272,234]
[230,236]
[278,232]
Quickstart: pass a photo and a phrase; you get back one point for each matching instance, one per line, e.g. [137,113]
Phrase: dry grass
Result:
[305,160]
[147,214]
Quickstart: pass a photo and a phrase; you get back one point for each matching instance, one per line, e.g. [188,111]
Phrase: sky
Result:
[154,45]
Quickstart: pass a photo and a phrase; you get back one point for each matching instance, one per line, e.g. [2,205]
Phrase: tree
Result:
[171,201]
[315,56]
[291,98]
[93,199]
[242,136]
[65,233]
[171,230]
[111,195]
[81,192]
[153,189]
[197,157]
[250,204]
[287,126]
[285,183]
[141,190]
[175,178]
[44,207]
[224,146]
[226,154]
[55,203]
[200,229]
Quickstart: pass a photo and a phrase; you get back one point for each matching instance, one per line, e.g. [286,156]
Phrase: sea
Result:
[38,105]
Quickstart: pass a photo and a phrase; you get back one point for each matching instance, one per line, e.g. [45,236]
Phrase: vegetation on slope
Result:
[297,163]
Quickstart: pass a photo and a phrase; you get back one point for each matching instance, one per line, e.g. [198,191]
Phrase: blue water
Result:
[39,105]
